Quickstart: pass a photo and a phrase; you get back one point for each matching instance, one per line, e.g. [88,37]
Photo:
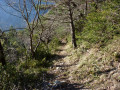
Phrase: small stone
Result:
[57,68]
[117,87]
[58,84]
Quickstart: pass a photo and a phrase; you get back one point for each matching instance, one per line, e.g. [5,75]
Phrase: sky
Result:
[7,19]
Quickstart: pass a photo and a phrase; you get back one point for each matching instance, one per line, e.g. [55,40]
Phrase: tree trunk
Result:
[73,28]
[86,7]
[31,46]
[2,57]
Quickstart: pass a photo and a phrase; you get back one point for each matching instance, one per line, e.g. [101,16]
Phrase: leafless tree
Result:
[25,8]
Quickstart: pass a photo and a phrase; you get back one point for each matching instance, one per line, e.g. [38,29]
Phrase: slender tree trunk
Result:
[2,57]
[86,7]
[31,46]
[32,53]
[73,28]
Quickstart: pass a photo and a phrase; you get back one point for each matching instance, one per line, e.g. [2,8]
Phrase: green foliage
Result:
[8,77]
[14,46]
[100,25]
[23,72]
[94,6]
[21,77]
[51,12]
[117,56]
[33,66]
[79,25]
[116,1]
[28,64]
[42,52]
[54,44]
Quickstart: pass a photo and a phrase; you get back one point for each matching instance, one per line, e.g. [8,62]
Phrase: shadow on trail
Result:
[58,57]
[65,86]
[52,76]
[105,71]
[73,86]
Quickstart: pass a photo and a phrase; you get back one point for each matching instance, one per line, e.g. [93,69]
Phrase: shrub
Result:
[99,25]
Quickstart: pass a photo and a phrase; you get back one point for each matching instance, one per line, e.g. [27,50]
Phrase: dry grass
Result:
[95,68]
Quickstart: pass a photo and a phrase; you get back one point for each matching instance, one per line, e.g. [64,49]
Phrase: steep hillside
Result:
[94,68]
[75,46]
[95,64]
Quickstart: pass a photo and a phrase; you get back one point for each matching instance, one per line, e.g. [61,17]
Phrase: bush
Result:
[20,77]
[8,77]
[99,25]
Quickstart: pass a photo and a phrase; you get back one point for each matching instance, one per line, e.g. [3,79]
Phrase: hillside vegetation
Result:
[93,64]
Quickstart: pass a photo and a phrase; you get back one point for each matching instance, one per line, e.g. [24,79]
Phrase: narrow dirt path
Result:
[60,70]
[64,65]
